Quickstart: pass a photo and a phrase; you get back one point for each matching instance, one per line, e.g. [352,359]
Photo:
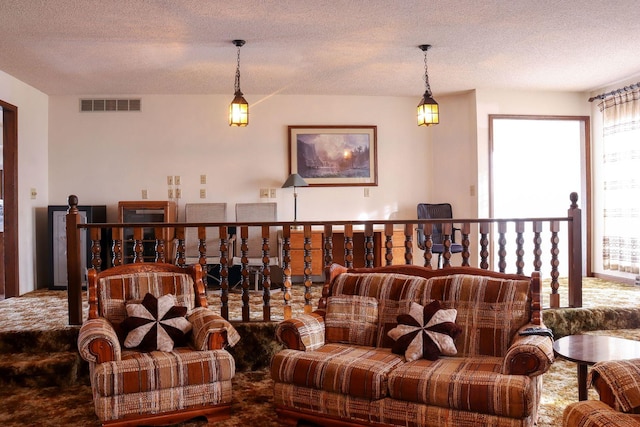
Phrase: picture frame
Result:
[334,155]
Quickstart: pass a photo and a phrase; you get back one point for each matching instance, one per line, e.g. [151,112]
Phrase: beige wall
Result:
[116,155]
[33,110]
[106,157]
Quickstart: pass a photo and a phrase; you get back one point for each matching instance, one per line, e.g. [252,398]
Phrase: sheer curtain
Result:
[621,172]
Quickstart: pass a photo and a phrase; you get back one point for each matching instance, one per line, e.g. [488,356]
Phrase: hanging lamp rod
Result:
[615,92]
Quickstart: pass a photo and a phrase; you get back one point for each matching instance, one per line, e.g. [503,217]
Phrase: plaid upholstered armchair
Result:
[155,351]
[618,385]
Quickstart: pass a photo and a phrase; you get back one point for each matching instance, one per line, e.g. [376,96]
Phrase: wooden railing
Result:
[377,249]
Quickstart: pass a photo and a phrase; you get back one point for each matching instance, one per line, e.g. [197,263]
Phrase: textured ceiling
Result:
[350,47]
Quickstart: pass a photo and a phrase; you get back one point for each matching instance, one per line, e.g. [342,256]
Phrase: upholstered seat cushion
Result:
[143,372]
[468,384]
[357,371]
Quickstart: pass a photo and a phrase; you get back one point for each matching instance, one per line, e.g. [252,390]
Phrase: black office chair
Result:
[436,211]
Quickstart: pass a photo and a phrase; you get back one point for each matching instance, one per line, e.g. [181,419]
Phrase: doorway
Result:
[550,156]
[9,260]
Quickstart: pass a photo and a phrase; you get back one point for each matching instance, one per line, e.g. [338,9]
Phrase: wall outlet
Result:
[203,179]
[366,192]
[178,193]
[170,180]
[176,179]
[264,193]
[272,193]
[145,195]
[170,193]
[203,193]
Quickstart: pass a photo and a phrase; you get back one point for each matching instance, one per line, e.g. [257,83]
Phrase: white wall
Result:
[117,154]
[33,110]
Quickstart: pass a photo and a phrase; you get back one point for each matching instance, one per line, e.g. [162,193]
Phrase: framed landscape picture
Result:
[334,155]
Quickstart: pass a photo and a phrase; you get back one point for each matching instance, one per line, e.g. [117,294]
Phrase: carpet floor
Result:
[252,397]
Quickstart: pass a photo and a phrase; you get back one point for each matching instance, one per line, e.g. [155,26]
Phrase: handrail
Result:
[378,244]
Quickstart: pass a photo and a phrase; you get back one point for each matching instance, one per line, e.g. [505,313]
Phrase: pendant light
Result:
[239,108]
[428,111]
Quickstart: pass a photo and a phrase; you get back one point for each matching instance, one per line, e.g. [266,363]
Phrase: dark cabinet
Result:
[57,230]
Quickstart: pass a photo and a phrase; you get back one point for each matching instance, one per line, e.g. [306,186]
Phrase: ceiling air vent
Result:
[87,105]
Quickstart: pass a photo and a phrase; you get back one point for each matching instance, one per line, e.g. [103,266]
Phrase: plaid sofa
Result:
[131,387]
[618,385]
[338,368]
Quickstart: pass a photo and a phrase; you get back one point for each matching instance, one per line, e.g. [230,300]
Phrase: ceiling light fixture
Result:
[239,108]
[428,111]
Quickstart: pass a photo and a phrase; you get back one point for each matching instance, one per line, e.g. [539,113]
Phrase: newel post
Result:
[74,269]
[575,252]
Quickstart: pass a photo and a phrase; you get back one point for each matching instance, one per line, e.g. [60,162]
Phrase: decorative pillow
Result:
[425,332]
[156,324]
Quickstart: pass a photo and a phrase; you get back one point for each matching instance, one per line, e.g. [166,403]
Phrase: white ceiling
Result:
[332,47]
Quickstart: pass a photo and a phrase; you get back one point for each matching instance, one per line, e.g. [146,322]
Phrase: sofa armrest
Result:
[528,354]
[304,333]
[594,413]
[211,331]
[98,341]
[616,382]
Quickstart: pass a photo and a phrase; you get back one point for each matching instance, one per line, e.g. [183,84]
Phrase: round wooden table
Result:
[589,349]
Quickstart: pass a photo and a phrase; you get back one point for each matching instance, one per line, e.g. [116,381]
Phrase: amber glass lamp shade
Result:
[239,111]
[428,111]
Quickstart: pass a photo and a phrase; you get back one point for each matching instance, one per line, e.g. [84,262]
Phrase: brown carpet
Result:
[42,311]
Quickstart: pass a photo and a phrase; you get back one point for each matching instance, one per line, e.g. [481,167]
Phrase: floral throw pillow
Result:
[156,324]
[425,332]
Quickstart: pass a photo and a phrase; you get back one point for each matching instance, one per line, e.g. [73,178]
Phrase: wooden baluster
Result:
[180,250]
[428,244]
[447,229]
[161,255]
[266,275]
[202,254]
[308,270]
[408,243]
[554,299]
[388,244]
[96,249]
[465,230]
[484,245]
[348,246]
[519,247]
[328,261]
[116,246]
[502,246]
[537,243]
[224,273]
[138,247]
[244,260]
[286,269]
[368,246]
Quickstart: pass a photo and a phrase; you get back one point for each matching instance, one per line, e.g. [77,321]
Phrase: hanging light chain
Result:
[237,83]
[426,73]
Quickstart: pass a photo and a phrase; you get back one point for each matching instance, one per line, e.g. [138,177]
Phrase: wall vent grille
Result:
[87,105]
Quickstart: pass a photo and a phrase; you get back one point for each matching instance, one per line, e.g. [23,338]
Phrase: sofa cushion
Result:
[156,324]
[351,319]
[490,310]
[467,384]
[145,372]
[425,332]
[357,371]
[114,291]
